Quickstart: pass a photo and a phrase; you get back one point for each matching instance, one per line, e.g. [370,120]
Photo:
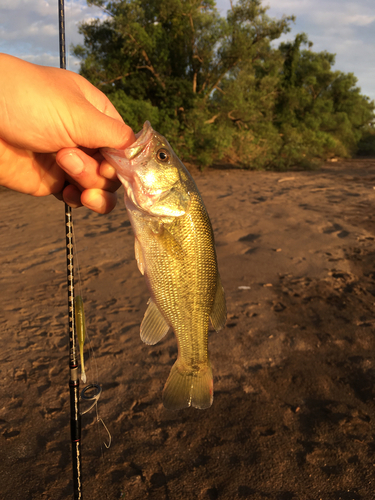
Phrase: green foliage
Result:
[218,89]
[366,145]
[136,111]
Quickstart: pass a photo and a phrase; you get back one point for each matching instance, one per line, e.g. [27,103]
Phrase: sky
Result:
[29,30]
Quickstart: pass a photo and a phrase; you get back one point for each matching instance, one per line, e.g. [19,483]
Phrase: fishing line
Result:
[94,398]
[92,392]
[88,393]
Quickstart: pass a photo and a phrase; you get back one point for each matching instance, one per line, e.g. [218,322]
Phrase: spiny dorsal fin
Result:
[153,327]
[219,309]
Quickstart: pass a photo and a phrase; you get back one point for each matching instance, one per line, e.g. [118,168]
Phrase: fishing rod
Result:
[76,317]
[75,416]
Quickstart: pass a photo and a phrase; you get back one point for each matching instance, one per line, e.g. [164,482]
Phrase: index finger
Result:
[84,170]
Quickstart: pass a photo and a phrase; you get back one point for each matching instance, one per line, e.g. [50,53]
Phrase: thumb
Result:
[94,129]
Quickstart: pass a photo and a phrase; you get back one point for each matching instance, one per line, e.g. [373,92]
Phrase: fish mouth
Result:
[127,162]
[123,159]
[142,144]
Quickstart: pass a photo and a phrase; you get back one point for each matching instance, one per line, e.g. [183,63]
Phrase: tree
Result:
[320,112]
[172,57]
[217,88]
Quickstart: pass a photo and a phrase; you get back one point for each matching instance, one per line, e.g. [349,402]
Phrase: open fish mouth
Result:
[142,143]
[143,185]
[139,151]
[127,161]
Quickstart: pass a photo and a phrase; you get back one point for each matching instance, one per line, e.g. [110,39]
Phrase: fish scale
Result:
[174,248]
[172,281]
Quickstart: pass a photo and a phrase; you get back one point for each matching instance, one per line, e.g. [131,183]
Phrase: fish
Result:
[175,251]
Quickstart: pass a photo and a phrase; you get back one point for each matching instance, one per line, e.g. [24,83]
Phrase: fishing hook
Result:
[94,396]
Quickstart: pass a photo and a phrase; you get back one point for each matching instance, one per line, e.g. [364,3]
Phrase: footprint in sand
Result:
[249,237]
[10,434]
[336,228]
[259,199]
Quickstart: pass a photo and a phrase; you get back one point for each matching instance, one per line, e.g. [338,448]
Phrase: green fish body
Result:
[174,249]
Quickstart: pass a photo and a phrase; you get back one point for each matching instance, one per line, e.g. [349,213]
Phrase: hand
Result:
[52,124]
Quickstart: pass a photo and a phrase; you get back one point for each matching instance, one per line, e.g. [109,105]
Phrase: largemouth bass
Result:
[174,249]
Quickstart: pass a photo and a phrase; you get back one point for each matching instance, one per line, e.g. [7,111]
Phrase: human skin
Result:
[52,124]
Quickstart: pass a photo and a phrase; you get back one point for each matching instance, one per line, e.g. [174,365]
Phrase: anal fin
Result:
[153,327]
[219,309]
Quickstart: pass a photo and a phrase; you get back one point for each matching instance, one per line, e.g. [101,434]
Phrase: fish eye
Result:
[163,155]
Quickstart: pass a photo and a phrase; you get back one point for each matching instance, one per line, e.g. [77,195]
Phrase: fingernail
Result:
[72,163]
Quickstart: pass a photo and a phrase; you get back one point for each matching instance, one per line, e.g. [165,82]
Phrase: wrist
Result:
[5,161]
[10,160]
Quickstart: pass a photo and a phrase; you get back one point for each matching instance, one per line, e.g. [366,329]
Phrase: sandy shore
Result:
[294,370]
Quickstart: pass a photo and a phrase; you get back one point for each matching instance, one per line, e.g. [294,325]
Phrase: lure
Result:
[81,331]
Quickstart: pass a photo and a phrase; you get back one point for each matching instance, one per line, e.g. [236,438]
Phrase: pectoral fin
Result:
[219,309]
[171,244]
[153,327]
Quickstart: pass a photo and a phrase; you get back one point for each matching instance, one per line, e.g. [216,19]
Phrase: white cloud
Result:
[41,29]
[42,59]
[360,20]
[29,29]
[342,27]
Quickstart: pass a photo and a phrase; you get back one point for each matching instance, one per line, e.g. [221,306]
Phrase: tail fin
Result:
[188,387]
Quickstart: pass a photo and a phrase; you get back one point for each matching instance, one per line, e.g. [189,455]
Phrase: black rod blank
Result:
[75,416]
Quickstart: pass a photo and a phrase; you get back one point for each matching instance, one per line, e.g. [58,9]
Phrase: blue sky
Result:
[29,29]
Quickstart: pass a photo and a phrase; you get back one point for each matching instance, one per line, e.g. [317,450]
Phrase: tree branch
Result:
[152,69]
[114,79]
[211,120]
[219,89]
[219,79]
[149,64]
[195,82]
